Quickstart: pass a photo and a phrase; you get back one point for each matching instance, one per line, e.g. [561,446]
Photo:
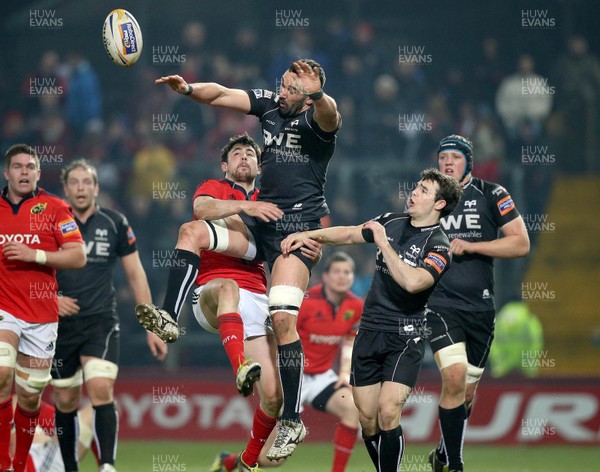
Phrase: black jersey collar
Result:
[15,207]
[232,184]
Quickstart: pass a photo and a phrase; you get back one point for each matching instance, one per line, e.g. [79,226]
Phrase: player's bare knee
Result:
[6,374]
[388,416]
[230,289]
[66,399]
[282,323]
[29,401]
[194,234]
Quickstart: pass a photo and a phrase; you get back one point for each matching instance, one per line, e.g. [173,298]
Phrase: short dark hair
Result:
[338,256]
[450,190]
[240,139]
[20,149]
[311,63]
[79,163]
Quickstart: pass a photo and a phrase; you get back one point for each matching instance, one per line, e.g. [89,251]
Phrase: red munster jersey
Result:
[323,326]
[249,275]
[28,290]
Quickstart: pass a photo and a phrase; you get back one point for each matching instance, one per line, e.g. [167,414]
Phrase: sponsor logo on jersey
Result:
[39,208]
[348,314]
[68,227]
[20,238]
[258,93]
[271,122]
[486,294]
[267,94]
[130,236]
[436,261]
[295,123]
[470,203]
[50,347]
[505,205]
[297,206]
[331,340]
[414,249]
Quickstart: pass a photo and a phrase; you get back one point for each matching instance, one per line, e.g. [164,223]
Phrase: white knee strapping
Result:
[474,373]
[71,382]
[100,368]
[285,298]
[453,354]
[32,380]
[251,252]
[8,355]
[218,235]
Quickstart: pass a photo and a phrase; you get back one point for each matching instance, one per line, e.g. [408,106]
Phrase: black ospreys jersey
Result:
[426,247]
[107,237]
[294,160]
[484,208]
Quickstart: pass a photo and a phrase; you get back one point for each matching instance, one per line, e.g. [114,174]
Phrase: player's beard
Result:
[291,110]
[244,175]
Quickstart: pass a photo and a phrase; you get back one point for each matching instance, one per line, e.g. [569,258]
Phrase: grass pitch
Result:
[151,456]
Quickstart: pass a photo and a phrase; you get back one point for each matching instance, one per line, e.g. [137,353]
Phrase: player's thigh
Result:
[341,403]
[290,271]
[231,236]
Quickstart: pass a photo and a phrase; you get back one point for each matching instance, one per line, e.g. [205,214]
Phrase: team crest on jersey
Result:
[348,314]
[505,205]
[258,93]
[38,208]
[436,261]
[68,227]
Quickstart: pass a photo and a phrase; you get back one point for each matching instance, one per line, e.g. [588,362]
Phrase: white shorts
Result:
[253,307]
[46,456]
[36,339]
[313,385]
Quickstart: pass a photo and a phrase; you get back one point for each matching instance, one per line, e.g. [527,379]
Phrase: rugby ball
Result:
[122,38]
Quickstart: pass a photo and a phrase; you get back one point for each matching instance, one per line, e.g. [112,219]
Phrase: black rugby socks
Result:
[182,275]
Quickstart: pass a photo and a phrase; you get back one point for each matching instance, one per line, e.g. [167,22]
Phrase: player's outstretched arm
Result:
[70,256]
[334,236]
[208,208]
[209,93]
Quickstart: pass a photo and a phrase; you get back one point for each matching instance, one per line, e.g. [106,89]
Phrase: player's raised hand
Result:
[379,234]
[67,306]
[266,211]
[176,82]
[308,76]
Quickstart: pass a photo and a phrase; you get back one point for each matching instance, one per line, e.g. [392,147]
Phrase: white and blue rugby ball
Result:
[122,37]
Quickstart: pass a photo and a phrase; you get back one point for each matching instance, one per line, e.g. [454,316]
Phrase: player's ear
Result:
[259,169]
[439,205]
[96,190]
[224,167]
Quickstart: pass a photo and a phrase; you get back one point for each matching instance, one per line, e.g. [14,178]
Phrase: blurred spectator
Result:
[577,77]
[84,97]
[522,96]
[518,341]
[381,136]
[14,130]
[47,80]
[489,70]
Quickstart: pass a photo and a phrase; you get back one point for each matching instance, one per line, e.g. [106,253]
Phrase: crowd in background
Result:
[153,147]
